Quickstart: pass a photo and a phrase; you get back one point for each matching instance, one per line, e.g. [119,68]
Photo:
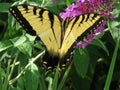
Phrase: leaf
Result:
[13,88]
[23,45]
[4,7]
[100,44]
[2,76]
[81,61]
[5,45]
[26,49]
[2,73]
[18,41]
[31,77]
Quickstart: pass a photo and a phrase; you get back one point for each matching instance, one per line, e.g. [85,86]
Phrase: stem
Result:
[12,67]
[20,74]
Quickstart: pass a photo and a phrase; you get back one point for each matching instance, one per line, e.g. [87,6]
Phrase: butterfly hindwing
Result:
[78,28]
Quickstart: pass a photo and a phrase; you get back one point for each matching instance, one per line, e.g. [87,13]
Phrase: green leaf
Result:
[78,82]
[5,45]
[42,81]
[26,48]
[54,7]
[2,73]
[4,7]
[18,41]
[2,76]
[81,61]
[13,88]
[100,44]
[114,28]
[31,77]
[68,2]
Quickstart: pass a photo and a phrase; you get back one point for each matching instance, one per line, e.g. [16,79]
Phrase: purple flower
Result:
[88,6]
[86,42]
[72,11]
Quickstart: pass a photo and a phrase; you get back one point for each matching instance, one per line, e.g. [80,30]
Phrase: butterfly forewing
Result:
[46,24]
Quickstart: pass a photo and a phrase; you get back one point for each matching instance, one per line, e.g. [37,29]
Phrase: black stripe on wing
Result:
[23,22]
[91,28]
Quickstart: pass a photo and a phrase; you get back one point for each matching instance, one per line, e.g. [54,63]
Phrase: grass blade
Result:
[112,65]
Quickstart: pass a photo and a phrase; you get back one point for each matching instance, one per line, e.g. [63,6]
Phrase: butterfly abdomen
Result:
[49,61]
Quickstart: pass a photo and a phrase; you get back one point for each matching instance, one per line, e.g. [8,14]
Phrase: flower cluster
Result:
[102,7]
[88,6]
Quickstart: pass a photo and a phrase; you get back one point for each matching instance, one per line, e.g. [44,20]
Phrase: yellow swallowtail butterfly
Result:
[57,35]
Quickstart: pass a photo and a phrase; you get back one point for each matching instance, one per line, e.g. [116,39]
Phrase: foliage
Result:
[92,67]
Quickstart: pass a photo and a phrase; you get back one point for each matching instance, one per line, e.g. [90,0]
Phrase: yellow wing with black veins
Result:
[36,20]
[78,28]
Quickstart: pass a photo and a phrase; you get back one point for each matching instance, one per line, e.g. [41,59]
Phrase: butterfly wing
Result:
[78,28]
[36,20]
[48,27]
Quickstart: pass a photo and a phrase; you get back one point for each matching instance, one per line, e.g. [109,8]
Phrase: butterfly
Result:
[58,36]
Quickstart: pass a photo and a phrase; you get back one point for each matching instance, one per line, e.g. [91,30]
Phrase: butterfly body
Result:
[58,36]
